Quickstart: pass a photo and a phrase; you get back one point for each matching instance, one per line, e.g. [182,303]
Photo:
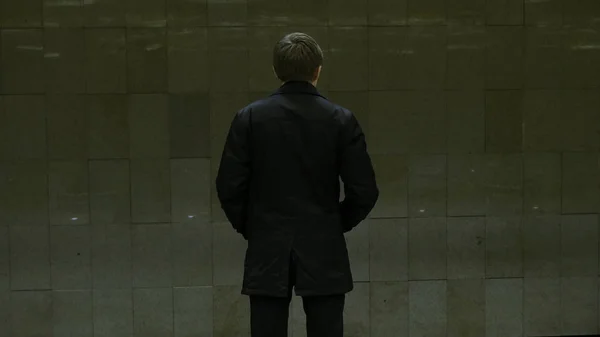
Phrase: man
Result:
[279,185]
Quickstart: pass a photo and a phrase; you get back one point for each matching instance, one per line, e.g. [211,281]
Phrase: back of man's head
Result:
[297,57]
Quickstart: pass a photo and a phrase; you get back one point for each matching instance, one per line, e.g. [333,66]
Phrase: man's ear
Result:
[317,74]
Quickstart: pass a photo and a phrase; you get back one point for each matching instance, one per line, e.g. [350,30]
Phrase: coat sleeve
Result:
[234,173]
[357,173]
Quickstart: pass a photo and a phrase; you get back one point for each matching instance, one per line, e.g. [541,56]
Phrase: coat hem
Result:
[298,292]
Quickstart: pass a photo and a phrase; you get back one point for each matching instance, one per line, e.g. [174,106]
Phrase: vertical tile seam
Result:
[368,108]
[560,243]
[169,173]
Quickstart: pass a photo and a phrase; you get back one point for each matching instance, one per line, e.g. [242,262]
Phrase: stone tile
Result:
[193,311]
[427,239]
[5,312]
[504,307]
[269,13]
[348,13]
[356,311]
[429,12]
[302,14]
[504,57]
[466,308]
[504,184]
[23,127]
[348,59]
[389,123]
[261,76]
[579,245]
[504,247]
[106,60]
[4,261]
[427,58]
[223,107]
[466,56]
[31,313]
[543,14]
[541,307]
[427,186]
[68,189]
[504,121]
[111,257]
[150,191]
[227,13]
[71,257]
[427,308]
[108,126]
[29,258]
[388,250]
[388,47]
[24,193]
[190,190]
[422,122]
[26,13]
[22,61]
[254,96]
[541,246]
[358,245]
[466,248]
[581,13]
[110,192]
[228,58]
[231,312]
[144,13]
[228,260]
[67,123]
[394,116]
[505,12]
[580,70]
[72,313]
[543,56]
[188,70]
[389,309]
[146,60]
[113,313]
[105,13]
[189,124]
[466,121]
[467,195]
[579,306]
[181,13]
[392,179]
[466,12]
[152,256]
[387,13]
[63,14]
[580,121]
[153,312]
[64,60]
[192,254]
[542,125]
[542,183]
[149,126]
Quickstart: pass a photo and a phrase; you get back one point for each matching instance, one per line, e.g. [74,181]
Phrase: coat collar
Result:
[297,87]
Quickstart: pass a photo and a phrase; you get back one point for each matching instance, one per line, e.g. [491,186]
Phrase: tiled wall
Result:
[483,118]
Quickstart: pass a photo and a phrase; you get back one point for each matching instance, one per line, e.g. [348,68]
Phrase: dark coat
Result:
[279,185]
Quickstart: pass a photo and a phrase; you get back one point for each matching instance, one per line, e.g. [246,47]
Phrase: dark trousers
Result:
[324,314]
